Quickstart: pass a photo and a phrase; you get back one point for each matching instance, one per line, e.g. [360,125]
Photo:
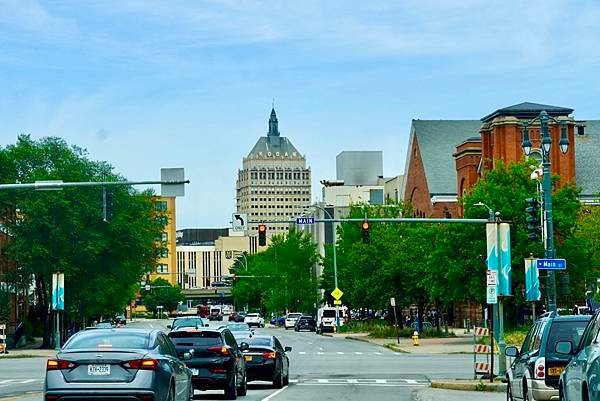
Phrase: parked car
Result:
[579,380]
[306,323]
[120,319]
[105,325]
[217,361]
[191,321]
[254,319]
[118,364]
[535,371]
[278,321]
[267,360]
[291,319]
[215,314]
[232,316]
[241,331]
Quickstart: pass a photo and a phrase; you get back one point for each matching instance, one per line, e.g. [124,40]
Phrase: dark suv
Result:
[536,369]
[217,361]
[306,323]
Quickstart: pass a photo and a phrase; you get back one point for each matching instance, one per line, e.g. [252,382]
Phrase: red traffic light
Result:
[262,228]
[365,225]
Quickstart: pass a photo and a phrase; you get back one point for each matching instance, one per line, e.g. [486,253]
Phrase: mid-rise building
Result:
[166,262]
[274,182]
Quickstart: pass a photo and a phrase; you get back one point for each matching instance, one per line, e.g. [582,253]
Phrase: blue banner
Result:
[58,291]
[532,281]
[498,255]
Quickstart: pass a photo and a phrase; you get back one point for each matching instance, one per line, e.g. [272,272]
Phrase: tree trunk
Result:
[44,311]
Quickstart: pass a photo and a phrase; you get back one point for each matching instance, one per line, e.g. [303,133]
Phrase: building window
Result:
[163,253]
[162,268]
[161,205]
[162,220]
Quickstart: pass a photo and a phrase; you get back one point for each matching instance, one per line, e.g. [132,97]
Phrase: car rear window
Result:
[252,315]
[259,342]
[104,340]
[238,327]
[571,330]
[329,313]
[187,323]
[195,338]
[294,315]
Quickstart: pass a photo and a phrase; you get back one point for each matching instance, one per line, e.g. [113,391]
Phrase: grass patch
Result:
[380,329]
[516,336]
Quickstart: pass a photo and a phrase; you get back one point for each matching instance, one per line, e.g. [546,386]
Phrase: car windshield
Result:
[104,325]
[238,327]
[259,341]
[108,340]
[565,330]
[294,315]
[187,323]
[198,338]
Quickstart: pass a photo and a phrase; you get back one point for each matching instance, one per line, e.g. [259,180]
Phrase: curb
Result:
[480,386]
[396,348]
[327,335]
[364,340]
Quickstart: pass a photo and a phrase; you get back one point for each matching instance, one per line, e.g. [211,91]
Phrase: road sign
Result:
[551,264]
[337,301]
[492,295]
[239,221]
[337,293]
[2,327]
[172,175]
[492,277]
[393,301]
[147,287]
[305,220]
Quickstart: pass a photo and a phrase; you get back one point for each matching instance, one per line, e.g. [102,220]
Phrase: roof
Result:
[527,110]
[586,159]
[274,145]
[437,141]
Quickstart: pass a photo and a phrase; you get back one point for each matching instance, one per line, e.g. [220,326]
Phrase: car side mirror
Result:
[244,346]
[564,347]
[511,351]
[186,356]
[288,349]
[169,326]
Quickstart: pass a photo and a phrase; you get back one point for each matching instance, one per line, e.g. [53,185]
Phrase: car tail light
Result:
[269,355]
[50,397]
[59,364]
[219,370]
[142,364]
[221,349]
[539,371]
[146,397]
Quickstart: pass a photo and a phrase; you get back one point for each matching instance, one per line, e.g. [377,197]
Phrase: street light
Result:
[546,144]
[490,211]
[335,278]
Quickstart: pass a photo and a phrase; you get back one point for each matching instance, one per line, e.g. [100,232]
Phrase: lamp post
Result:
[497,309]
[335,278]
[546,145]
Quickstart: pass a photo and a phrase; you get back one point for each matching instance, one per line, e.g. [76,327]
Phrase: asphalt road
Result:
[321,368]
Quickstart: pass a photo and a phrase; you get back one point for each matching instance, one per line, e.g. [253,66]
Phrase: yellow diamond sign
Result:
[337,293]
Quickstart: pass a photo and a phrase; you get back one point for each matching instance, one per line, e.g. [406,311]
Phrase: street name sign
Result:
[492,295]
[305,220]
[551,264]
[337,293]
[239,221]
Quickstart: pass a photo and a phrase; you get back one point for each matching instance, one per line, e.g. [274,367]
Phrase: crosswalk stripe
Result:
[358,353]
[378,353]
[320,353]
[302,353]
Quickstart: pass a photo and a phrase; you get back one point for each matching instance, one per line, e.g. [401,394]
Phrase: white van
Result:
[326,318]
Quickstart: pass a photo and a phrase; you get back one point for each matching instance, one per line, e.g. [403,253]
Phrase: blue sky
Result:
[150,84]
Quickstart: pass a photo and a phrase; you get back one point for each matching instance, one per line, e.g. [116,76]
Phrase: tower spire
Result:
[273,122]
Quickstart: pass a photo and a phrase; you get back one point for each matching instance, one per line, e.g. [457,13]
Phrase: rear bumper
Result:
[212,382]
[100,394]
[263,371]
[542,392]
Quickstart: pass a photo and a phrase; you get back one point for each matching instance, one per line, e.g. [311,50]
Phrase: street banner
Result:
[532,280]
[58,291]
[498,255]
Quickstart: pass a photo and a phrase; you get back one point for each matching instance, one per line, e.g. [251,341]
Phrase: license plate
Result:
[98,370]
[248,357]
[195,372]
[555,371]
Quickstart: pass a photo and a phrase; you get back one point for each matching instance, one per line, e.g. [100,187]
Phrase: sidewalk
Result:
[461,344]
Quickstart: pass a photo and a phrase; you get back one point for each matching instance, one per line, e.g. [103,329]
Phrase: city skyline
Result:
[150,85]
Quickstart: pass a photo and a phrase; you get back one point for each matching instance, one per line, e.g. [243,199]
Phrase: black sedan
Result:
[266,360]
[118,364]
[305,323]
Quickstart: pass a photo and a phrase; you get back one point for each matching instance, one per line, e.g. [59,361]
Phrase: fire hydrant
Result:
[415,338]
[334,328]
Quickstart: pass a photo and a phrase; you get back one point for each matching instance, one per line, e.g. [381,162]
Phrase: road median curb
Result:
[395,348]
[469,385]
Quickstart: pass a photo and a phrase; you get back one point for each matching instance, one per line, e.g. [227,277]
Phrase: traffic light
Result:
[262,235]
[366,232]
[533,221]
[107,204]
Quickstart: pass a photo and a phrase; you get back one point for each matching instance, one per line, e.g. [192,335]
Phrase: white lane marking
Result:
[411,381]
[358,353]
[380,381]
[320,353]
[28,381]
[378,353]
[322,381]
[340,353]
[320,348]
[352,381]
[302,353]
[310,343]
[362,384]
[293,380]
[274,394]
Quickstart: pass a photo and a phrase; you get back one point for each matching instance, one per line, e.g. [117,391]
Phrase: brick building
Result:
[445,158]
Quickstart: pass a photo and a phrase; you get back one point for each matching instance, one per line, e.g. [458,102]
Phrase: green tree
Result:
[63,231]
[280,278]
[164,294]
[4,306]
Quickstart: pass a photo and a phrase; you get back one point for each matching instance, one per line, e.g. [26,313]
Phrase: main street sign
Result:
[551,264]
[305,220]
[337,293]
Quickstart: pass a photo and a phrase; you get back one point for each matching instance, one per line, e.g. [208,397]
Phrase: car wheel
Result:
[243,389]
[191,393]
[278,380]
[286,379]
[526,396]
[231,389]
[171,394]
[509,396]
